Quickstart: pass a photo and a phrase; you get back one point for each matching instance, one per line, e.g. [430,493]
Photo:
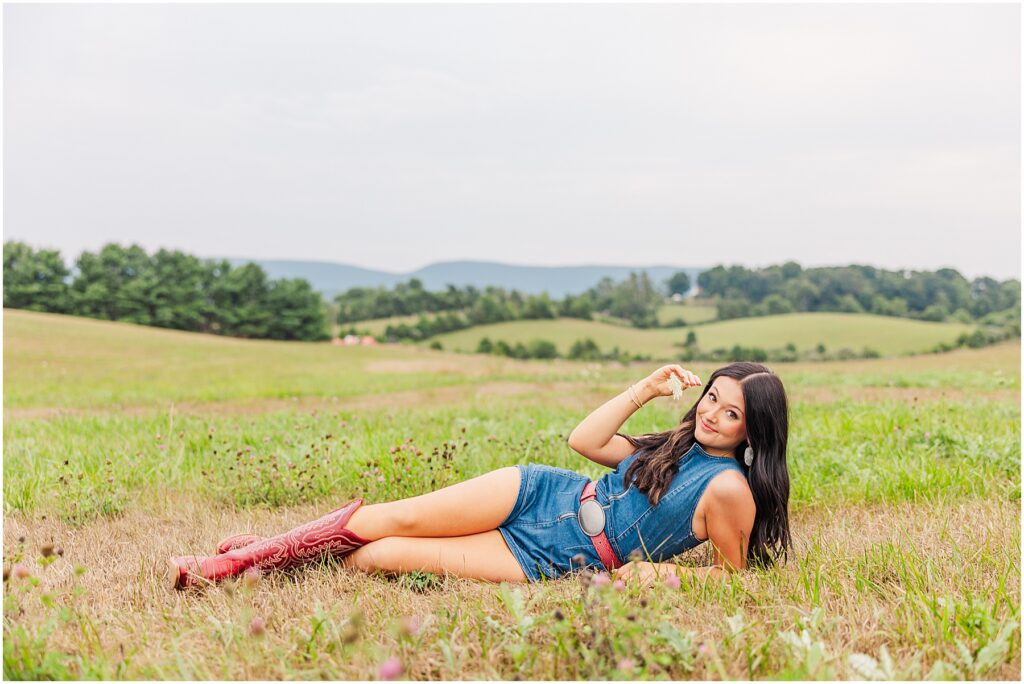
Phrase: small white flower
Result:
[676,385]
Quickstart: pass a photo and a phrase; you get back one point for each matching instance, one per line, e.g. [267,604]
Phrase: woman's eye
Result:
[733,414]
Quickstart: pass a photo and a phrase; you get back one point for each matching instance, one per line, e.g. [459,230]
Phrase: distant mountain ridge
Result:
[331,279]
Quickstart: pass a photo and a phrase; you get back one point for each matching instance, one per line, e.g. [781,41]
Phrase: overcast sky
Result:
[394,136]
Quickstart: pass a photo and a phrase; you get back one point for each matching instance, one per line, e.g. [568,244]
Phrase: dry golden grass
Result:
[969,545]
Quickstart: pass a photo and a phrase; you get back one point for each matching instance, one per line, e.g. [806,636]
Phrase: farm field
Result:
[377,326]
[890,336]
[691,313]
[125,445]
[666,314]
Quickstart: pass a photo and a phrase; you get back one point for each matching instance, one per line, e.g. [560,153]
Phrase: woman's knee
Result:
[377,555]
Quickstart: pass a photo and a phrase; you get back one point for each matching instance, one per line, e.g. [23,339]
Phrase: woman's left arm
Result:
[729,521]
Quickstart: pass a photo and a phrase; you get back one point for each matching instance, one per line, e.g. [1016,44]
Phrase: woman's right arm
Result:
[596,439]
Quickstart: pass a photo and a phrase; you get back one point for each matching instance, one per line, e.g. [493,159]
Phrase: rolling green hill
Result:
[666,314]
[806,330]
[377,326]
[691,313]
[68,361]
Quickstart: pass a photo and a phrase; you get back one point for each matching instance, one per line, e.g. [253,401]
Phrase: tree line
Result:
[167,289]
[172,289]
[636,300]
[581,350]
[925,295]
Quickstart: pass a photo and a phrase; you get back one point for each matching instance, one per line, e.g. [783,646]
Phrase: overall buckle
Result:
[591,517]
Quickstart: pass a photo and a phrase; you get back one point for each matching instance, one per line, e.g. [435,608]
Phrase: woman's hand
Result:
[657,382]
[642,571]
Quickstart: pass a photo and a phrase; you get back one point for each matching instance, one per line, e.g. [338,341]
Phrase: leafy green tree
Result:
[775,304]
[637,300]
[791,270]
[490,309]
[108,284]
[296,311]
[542,349]
[175,291]
[577,307]
[934,312]
[585,350]
[539,307]
[801,293]
[239,300]
[501,348]
[848,303]
[679,283]
[733,308]
[35,280]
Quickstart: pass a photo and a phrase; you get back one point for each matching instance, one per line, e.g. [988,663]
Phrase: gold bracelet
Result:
[633,397]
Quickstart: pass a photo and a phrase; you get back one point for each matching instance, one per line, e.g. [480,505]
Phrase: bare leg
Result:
[479,556]
[470,507]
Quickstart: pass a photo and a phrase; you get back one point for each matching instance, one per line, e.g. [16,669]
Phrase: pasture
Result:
[884,334]
[667,313]
[124,445]
[689,312]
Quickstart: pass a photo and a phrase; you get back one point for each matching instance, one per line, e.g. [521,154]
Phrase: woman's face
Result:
[721,423]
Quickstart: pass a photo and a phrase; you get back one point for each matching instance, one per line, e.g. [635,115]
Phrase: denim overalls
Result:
[664,530]
[544,534]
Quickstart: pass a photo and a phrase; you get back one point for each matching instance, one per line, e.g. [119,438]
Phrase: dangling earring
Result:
[748,456]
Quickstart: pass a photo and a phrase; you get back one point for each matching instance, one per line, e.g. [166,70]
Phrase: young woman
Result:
[719,475]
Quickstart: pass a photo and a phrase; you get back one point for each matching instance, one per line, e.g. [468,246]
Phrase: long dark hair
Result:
[767,419]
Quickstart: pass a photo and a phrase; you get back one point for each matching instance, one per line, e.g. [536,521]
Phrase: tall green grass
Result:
[841,451]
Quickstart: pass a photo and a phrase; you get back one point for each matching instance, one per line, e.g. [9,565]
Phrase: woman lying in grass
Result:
[719,475]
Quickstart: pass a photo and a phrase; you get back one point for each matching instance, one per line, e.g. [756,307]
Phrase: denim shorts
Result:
[542,530]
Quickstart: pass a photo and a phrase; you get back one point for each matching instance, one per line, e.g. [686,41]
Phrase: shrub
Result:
[542,349]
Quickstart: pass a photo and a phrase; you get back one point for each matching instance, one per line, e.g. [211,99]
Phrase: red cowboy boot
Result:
[324,535]
[240,541]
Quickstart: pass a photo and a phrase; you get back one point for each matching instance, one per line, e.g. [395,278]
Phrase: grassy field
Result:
[887,335]
[666,314]
[691,313]
[124,445]
[377,326]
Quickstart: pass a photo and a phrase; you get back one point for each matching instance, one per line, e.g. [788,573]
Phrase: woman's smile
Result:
[723,402]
